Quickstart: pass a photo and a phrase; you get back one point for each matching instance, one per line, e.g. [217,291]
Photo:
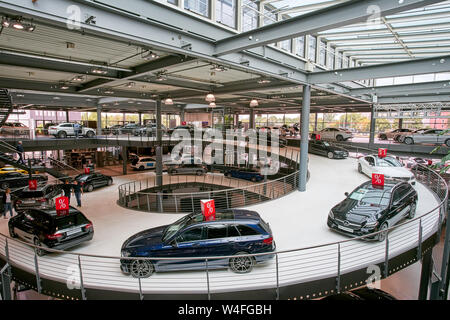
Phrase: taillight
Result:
[88,227]
[268,240]
[18,201]
[54,236]
[42,200]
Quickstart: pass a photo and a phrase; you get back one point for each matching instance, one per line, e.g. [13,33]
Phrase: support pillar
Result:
[372,128]
[304,131]
[426,273]
[345,124]
[99,120]
[182,113]
[251,121]
[67,116]
[315,121]
[140,118]
[124,160]
[158,144]
[400,123]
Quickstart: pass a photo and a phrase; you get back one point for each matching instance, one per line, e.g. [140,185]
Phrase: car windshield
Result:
[326,144]
[388,162]
[181,224]
[70,221]
[377,197]
[82,177]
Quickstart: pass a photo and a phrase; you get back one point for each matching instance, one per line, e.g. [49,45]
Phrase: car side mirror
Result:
[346,194]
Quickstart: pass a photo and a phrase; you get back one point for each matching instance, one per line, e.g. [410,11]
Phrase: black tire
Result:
[141,268]
[227,174]
[89,188]
[382,235]
[110,182]
[447,142]
[173,172]
[199,172]
[409,140]
[11,232]
[62,135]
[242,264]
[383,137]
[39,252]
[330,155]
[339,137]
[412,210]
[90,134]
[5,185]
[359,168]
[253,179]
[142,168]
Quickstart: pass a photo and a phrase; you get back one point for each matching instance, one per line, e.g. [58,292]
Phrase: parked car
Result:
[8,168]
[188,168]
[19,180]
[324,148]
[130,128]
[115,129]
[173,132]
[233,232]
[369,209]
[393,134]
[401,137]
[244,173]
[64,130]
[14,128]
[337,134]
[183,158]
[390,167]
[149,130]
[42,198]
[47,229]
[91,181]
[433,136]
[142,163]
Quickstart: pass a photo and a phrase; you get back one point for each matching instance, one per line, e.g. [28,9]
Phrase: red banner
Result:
[382,152]
[62,205]
[318,137]
[377,180]
[87,170]
[208,209]
[183,123]
[32,184]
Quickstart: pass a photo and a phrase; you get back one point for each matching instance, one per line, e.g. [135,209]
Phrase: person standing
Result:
[77,190]
[7,203]
[76,128]
[67,188]
[20,152]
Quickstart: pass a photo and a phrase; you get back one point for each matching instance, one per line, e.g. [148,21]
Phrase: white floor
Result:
[297,221]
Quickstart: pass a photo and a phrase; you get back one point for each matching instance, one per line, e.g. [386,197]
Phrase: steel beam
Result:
[415,99]
[340,15]
[404,68]
[415,88]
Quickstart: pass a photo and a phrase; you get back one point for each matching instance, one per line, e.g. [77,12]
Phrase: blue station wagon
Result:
[233,232]
[246,174]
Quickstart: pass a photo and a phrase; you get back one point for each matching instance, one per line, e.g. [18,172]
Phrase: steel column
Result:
[99,120]
[304,131]
[372,128]
[425,276]
[159,168]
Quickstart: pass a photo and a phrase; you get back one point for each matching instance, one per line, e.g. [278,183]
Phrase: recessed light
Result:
[56,98]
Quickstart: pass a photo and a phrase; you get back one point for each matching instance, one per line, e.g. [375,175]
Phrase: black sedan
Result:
[48,229]
[19,180]
[91,181]
[370,209]
[324,148]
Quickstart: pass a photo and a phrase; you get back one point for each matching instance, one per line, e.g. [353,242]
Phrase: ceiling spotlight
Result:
[20,95]
[99,71]
[108,91]
[212,105]
[254,103]
[6,23]
[263,81]
[150,55]
[218,68]
[64,86]
[78,78]
[161,76]
[56,98]
[168,101]
[210,97]
[17,24]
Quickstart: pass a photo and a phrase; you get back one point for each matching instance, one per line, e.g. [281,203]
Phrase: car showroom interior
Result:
[254,150]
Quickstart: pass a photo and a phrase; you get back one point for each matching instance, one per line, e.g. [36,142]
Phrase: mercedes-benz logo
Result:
[346,223]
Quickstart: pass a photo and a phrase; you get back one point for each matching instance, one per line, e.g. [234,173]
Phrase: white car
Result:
[390,167]
[142,163]
[63,130]
[337,134]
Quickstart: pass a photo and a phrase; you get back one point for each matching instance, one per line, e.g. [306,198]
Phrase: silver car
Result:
[188,168]
[433,136]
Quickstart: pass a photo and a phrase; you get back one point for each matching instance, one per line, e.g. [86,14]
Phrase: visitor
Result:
[20,152]
[67,188]
[77,129]
[7,203]
[78,190]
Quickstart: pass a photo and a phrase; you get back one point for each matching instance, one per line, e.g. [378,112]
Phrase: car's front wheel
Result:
[447,142]
[90,134]
[89,188]
[141,268]
[339,138]
[199,172]
[11,232]
[40,252]
[110,182]
[409,140]
[62,135]
[142,168]
[330,155]
[382,235]
[243,264]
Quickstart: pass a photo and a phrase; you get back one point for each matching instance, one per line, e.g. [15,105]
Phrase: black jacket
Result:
[3,197]
[19,148]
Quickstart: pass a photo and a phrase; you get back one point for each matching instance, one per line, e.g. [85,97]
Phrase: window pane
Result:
[226,12]
[339,61]
[249,15]
[217,231]
[269,17]
[300,46]
[175,2]
[198,6]
[286,45]
[246,231]
[191,235]
[312,48]
[330,58]
[322,52]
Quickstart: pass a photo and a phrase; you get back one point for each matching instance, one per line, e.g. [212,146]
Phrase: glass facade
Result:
[312,48]
[330,58]
[249,15]
[300,46]
[269,16]
[198,6]
[226,12]
[322,53]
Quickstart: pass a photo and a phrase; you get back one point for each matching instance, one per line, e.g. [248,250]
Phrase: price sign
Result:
[183,123]
[377,180]
[62,205]
[318,137]
[32,184]
[87,170]
[382,152]
[208,209]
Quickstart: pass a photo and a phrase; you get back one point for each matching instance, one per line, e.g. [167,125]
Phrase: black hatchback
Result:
[91,181]
[48,229]
[19,180]
[370,209]
[324,148]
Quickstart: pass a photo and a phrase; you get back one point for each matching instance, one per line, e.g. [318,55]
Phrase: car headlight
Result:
[331,214]
[126,253]
[371,222]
